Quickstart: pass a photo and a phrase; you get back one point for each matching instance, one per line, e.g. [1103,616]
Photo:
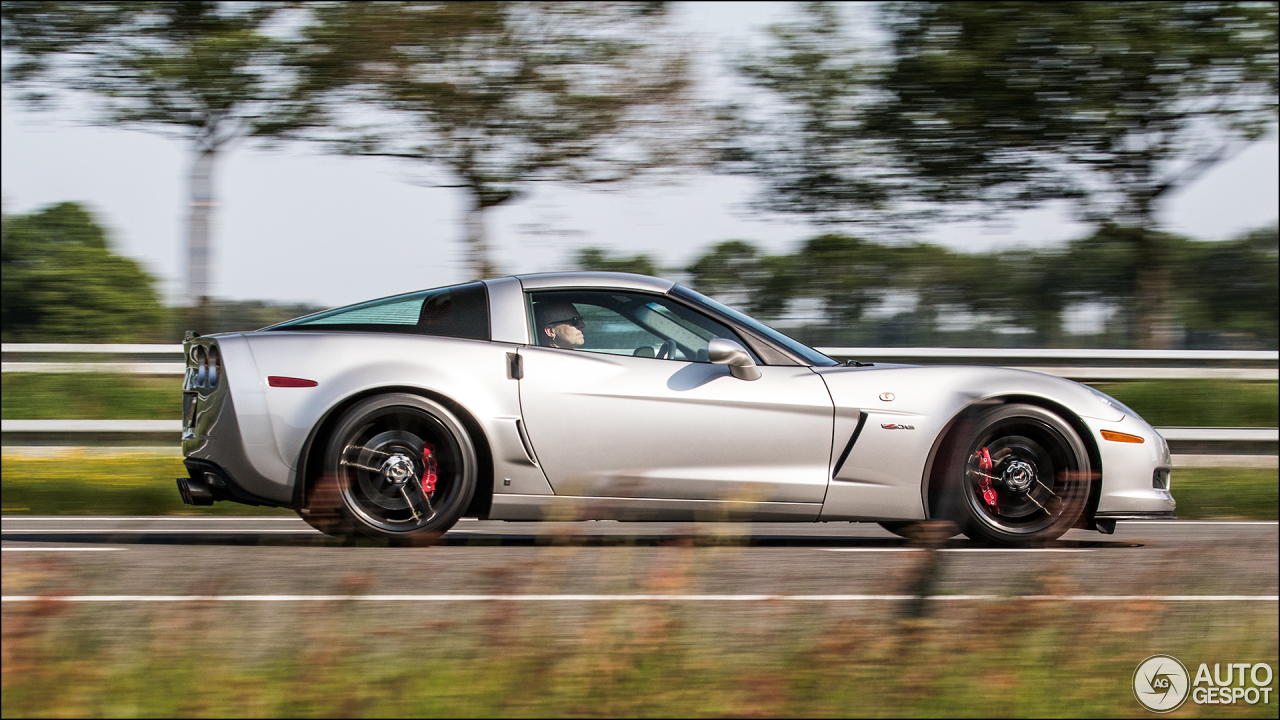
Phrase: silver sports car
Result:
[615,396]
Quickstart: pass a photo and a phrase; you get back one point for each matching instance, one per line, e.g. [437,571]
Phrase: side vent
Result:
[862,420]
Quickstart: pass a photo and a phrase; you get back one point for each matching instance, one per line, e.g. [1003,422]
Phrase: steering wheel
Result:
[667,350]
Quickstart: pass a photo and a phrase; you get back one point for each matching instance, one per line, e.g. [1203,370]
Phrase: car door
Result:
[636,411]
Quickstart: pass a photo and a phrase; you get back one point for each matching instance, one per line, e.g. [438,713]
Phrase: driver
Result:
[559,325]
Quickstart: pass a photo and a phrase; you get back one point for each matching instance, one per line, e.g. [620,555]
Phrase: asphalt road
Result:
[93,557]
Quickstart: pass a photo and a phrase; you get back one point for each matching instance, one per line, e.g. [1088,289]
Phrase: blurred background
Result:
[859,175]
[882,174]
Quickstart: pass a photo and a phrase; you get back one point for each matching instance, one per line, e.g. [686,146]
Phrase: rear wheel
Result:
[398,467]
[1019,477]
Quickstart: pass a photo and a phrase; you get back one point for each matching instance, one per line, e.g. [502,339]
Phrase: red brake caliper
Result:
[429,469]
[984,477]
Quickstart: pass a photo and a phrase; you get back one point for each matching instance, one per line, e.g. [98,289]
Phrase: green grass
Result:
[81,484]
[74,396]
[1199,403]
[141,484]
[1226,493]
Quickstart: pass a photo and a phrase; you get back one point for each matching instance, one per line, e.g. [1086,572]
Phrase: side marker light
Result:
[278,381]
[1114,436]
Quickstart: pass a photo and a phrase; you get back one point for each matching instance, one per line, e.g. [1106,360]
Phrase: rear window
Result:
[461,311]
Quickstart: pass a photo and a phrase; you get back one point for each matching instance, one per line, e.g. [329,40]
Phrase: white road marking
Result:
[912,549]
[619,598]
[157,531]
[59,549]
[1121,523]
[157,518]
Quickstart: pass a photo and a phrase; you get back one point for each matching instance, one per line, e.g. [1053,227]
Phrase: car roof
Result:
[616,280]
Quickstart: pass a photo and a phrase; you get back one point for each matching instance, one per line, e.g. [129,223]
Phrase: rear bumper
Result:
[207,483]
[220,432]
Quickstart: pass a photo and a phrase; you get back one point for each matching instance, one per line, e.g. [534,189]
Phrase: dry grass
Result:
[359,658]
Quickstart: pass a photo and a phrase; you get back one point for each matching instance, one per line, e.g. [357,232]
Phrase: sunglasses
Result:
[575,321]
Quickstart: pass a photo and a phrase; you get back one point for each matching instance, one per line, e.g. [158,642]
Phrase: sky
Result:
[294,225]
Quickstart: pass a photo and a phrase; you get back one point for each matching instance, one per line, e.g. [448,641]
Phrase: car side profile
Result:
[617,396]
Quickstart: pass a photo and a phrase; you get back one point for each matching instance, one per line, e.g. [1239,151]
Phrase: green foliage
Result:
[62,283]
[597,259]
[89,396]
[243,316]
[984,107]
[1226,290]
[1231,286]
[1115,104]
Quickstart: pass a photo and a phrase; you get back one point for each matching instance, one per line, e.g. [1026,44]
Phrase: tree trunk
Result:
[199,236]
[1154,314]
[478,261]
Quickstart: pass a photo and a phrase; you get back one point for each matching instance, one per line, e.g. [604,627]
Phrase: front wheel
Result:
[398,467]
[1020,477]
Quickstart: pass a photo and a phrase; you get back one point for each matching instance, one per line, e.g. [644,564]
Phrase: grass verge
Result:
[1015,658]
[77,484]
[143,485]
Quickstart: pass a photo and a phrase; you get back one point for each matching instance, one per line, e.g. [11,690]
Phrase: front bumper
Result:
[1131,472]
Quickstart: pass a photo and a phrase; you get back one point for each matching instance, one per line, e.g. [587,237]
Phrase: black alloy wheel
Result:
[398,467]
[1023,478]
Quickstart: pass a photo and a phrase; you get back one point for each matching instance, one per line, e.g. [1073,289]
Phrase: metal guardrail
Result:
[1075,364]
[1089,365]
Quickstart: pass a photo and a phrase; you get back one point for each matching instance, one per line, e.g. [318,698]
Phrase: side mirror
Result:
[723,351]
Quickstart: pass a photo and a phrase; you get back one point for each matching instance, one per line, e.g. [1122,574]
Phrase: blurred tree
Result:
[62,283]
[1024,286]
[736,272]
[846,273]
[805,137]
[496,95]
[207,73]
[597,259]
[1113,105]
[1233,285]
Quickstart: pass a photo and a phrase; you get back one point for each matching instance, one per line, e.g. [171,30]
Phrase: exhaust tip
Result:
[194,492]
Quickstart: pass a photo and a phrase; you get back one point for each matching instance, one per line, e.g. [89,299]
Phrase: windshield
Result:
[800,350]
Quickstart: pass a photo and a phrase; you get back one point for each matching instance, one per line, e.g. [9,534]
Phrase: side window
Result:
[621,323]
[461,311]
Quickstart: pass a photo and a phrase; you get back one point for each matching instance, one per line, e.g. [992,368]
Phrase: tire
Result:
[378,462]
[1037,484]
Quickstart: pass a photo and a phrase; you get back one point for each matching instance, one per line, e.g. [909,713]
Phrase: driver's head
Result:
[559,325]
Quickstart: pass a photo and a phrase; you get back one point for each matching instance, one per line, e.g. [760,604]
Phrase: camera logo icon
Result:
[1160,683]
